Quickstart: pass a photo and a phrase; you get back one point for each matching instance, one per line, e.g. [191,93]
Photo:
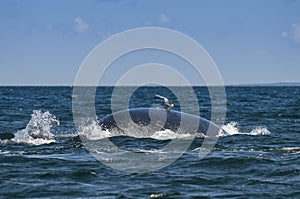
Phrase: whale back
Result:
[163,119]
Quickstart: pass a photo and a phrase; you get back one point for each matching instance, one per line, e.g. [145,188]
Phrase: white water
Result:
[295,150]
[232,128]
[93,131]
[38,129]
[169,134]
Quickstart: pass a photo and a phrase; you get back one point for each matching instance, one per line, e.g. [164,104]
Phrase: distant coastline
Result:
[277,84]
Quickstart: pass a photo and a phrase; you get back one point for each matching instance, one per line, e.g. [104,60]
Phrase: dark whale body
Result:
[164,119]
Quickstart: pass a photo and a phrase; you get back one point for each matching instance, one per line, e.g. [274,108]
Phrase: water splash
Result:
[93,131]
[232,128]
[38,129]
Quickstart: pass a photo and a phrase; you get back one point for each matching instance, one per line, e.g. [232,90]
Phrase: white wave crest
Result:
[232,128]
[295,150]
[38,129]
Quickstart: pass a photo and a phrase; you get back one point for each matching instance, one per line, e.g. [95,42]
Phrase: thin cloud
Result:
[293,35]
[296,33]
[284,34]
[164,19]
[80,26]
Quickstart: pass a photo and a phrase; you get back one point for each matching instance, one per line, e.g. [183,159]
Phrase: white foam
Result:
[4,152]
[291,149]
[168,134]
[295,150]
[22,137]
[38,129]
[93,131]
[158,195]
[232,128]
[260,131]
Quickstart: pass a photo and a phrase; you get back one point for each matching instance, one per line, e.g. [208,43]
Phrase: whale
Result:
[129,132]
[147,121]
[159,119]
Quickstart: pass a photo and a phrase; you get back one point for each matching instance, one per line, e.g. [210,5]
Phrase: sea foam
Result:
[232,128]
[38,129]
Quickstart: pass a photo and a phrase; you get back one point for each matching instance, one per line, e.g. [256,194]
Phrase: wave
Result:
[295,150]
[232,128]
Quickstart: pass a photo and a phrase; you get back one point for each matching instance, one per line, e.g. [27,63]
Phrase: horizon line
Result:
[108,85]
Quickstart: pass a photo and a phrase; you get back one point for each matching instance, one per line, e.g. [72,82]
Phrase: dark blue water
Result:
[260,158]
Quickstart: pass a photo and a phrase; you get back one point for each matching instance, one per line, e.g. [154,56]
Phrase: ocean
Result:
[45,158]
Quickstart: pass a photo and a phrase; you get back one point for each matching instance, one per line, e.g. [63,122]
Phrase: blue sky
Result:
[253,41]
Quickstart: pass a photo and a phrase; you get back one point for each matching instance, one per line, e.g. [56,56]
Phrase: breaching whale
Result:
[160,119]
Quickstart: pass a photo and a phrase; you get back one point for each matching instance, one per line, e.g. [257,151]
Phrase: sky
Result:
[251,41]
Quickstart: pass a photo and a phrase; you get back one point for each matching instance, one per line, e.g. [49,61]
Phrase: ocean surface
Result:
[45,158]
